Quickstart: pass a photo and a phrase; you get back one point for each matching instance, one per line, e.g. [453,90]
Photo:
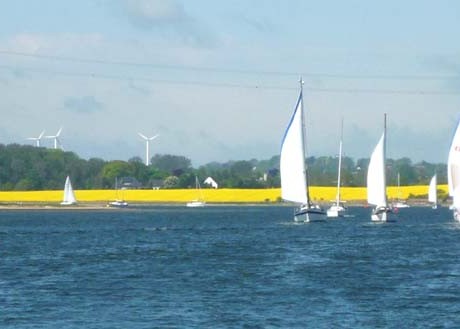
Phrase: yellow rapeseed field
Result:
[319,194]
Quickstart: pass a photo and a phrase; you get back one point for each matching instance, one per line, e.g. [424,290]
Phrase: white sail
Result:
[69,195]
[432,190]
[376,184]
[292,159]
[453,168]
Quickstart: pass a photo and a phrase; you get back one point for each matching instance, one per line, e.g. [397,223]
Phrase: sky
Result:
[218,80]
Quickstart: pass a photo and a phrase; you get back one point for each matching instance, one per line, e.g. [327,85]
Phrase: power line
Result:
[225,70]
[224,84]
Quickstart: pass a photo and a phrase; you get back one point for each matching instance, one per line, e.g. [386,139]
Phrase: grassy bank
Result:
[319,194]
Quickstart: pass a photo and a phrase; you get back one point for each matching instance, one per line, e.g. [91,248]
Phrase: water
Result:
[227,267]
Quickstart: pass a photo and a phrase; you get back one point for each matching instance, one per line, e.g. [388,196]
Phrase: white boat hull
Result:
[456,213]
[67,203]
[195,204]
[380,214]
[309,214]
[118,204]
[400,205]
[335,211]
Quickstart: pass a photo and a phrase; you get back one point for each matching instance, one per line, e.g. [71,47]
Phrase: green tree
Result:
[171,163]
[171,182]
[115,169]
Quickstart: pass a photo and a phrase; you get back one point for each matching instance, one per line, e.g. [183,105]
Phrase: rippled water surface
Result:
[220,267]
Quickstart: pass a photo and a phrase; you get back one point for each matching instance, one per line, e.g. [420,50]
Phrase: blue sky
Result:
[218,79]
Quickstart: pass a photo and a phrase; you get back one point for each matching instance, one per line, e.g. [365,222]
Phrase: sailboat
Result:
[69,195]
[119,202]
[337,209]
[293,172]
[400,203]
[453,173]
[376,180]
[199,202]
[432,192]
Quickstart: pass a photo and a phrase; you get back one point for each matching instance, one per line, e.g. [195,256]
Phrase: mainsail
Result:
[453,168]
[292,159]
[69,195]
[376,185]
[432,190]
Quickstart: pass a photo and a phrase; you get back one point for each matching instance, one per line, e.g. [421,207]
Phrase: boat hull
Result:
[68,203]
[380,214]
[401,205]
[335,211]
[118,204]
[195,204]
[456,214]
[311,214]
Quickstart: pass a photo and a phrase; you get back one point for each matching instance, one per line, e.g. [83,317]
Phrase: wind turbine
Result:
[147,145]
[56,139]
[37,139]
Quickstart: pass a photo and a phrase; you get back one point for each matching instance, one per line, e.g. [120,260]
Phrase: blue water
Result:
[227,267]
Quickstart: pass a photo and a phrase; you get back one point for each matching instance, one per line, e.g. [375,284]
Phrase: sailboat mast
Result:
[340,164]
[302,116]
[385,155]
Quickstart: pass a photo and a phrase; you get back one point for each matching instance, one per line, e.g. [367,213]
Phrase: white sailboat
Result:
[293,172]
[119,202]
[432,192]
[337,209]
[376,181]
[399,202]
[199,202]
[69,195]
[453,173]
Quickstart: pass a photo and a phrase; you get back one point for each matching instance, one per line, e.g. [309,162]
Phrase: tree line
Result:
[24,167]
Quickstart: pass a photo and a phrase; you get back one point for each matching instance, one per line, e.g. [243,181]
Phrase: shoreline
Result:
[99,206]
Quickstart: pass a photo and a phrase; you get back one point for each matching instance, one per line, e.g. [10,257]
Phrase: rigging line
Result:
[143,79]
[235,71]
[383,91]
[230,85]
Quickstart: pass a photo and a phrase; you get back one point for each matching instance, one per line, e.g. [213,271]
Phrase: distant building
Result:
[156,184]
[128,183]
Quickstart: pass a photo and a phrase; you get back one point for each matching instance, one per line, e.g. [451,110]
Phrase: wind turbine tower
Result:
[37,139]
[56,139]
[147,146]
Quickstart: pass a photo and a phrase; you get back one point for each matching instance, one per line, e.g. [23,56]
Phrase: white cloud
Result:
[52,44]
[169,19]
[156,12]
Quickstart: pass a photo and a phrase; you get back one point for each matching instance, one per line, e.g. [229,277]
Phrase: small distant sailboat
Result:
[69,195]
[119,202]
[199,202]
[376,180]
[337,209]
[433,192]
[453,173]
[294,176]
[399,202]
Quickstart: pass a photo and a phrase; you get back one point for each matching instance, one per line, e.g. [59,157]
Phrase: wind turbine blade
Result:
[41,135]
[152,138]
[59,132]
[144,137]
